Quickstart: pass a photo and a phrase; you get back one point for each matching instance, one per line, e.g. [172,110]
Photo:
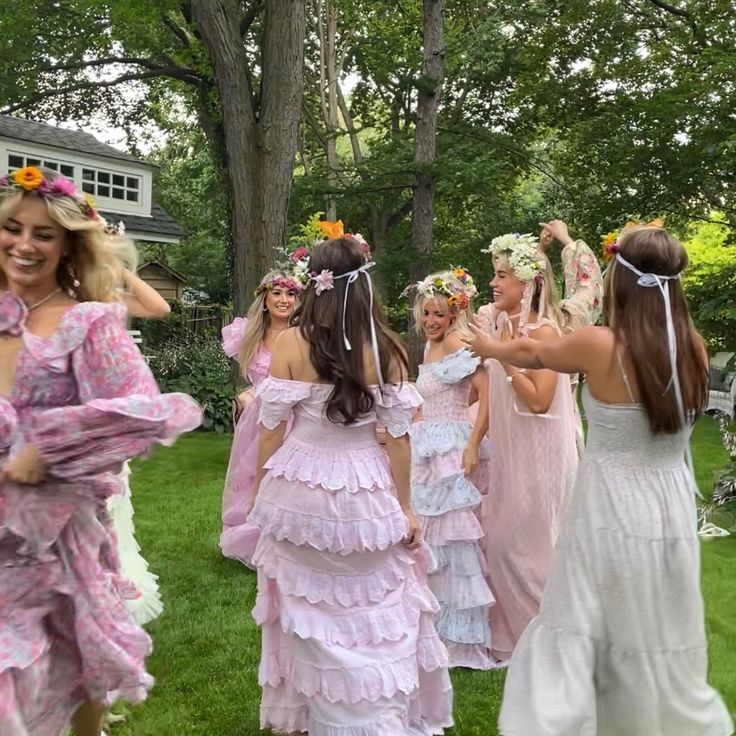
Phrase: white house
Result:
[120,183]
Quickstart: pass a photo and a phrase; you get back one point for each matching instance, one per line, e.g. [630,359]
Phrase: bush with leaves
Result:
[196,365]
[721,508]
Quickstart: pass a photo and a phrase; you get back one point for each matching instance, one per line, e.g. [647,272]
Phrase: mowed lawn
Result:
[206,646]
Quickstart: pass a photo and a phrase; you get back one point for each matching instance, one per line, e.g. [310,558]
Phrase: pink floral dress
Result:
[86,398]
[239,538]
[349,645]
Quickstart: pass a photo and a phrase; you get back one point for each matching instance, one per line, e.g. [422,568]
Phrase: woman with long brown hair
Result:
[619,644]
[349,644]
[251,340]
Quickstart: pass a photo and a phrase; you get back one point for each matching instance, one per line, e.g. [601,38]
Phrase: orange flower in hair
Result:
[29,177]
[332,230]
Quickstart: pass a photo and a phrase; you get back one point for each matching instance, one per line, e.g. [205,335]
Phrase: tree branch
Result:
[33,99]
[181,72]
[177,30]
[250,15]
[314,125]
[671,9]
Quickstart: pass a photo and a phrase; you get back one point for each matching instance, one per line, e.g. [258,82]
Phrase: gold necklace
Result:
[31,307]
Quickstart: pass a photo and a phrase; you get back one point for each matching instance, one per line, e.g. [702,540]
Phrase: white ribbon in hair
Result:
[352,277]
[651,280]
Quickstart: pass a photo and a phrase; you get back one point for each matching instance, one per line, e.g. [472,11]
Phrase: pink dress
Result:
[349,645]
[447,502]
[86,398]
[531,475]
[239,538]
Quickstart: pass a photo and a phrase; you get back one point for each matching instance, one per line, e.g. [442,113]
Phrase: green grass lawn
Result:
[206,646]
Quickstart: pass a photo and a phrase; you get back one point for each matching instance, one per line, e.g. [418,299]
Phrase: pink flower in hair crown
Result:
[323,281]
[299,254]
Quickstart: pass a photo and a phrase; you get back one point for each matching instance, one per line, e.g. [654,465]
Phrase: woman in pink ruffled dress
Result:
[77,401]
[533,433]
[251,341]
[349,644]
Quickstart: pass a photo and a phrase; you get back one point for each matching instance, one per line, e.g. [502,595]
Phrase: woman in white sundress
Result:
[619,647]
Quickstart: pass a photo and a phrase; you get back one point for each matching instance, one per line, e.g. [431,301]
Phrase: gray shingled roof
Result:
[73,140]
[160,222]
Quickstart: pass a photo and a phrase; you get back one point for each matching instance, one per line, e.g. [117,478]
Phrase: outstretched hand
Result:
[25,467]
[480,342]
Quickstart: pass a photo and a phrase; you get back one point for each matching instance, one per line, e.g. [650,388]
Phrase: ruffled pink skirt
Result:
[349,643]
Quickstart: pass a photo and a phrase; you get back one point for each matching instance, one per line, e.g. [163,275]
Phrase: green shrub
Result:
[196,365]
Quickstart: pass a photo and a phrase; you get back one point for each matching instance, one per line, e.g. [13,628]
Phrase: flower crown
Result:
[279,282]
[314,232]
[522,253]
[610,240]
[31,179]
[456,285]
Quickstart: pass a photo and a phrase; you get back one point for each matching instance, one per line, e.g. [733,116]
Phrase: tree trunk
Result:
[425,145]
[260,128]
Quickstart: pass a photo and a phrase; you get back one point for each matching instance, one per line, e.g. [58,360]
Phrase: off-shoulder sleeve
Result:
[278,397]
[121,411]
[395,407]
[456,367]
[583,286]
[232,336]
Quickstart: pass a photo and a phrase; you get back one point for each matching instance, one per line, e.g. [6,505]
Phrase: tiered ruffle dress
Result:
[349,645]
[531,475]
[86,398]
[447,503]
[239,538]
[145,601]
[619,647]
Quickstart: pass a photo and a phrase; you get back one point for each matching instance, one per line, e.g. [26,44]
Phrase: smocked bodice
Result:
[620,434]
[445,387]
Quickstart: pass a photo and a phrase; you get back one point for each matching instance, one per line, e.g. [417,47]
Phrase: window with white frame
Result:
[20,160]
[112,185]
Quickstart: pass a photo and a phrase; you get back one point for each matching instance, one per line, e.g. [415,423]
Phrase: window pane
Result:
[132,182]
[67,170]
[88,174]
[51,165]
[131,196]
[118,180]
[103,190]
[15,161]
[88,187]
[118,193]
[103,176]
[33,162]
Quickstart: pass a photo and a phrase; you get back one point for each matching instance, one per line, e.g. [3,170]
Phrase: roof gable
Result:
[71,140]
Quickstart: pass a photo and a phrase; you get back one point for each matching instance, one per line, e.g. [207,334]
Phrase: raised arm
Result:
[142,300]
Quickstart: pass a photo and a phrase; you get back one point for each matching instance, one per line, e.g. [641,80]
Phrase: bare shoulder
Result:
[545,332]
[453,342]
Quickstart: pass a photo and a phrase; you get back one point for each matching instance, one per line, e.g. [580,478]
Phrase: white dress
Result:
[146,606]
[618,648]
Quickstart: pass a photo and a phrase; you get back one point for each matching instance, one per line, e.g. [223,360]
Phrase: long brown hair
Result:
[320,323]
[637,316]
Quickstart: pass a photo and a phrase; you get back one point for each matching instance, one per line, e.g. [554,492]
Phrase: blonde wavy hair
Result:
[461,316]
[259,320]
[93,258]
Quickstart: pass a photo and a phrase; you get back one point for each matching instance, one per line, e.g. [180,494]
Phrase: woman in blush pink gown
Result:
[533,433]
[250,341]
[349,645]
[77,400]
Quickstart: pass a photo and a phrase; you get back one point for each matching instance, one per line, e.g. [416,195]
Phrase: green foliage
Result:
[710,283]
[196,365]
[721,509]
